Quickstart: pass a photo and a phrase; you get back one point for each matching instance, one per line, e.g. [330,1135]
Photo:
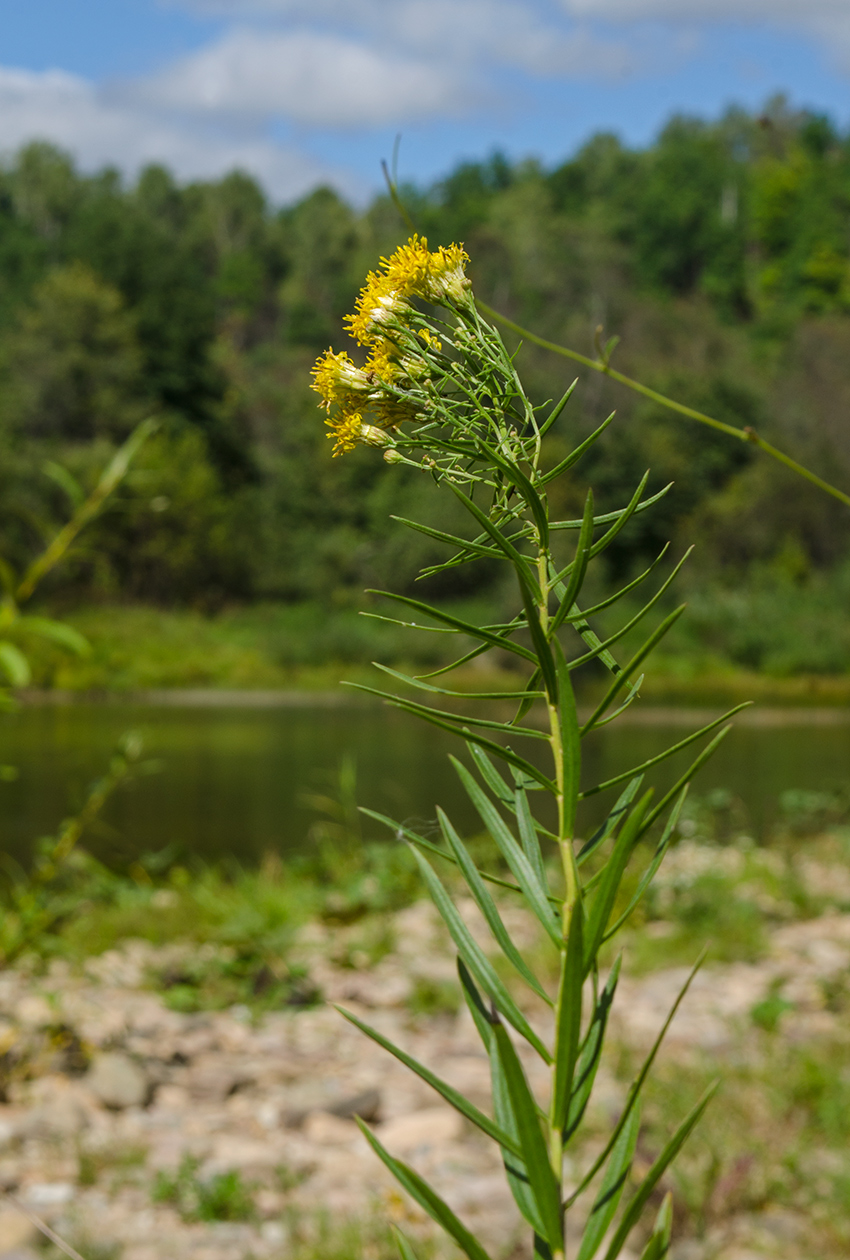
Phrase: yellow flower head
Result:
[336,378]
[412,271]
[382,361]
[378,302]
[345,430]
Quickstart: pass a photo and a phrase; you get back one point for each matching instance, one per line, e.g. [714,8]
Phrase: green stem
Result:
[746,434]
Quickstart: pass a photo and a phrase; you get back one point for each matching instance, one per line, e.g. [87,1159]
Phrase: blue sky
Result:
[307,91]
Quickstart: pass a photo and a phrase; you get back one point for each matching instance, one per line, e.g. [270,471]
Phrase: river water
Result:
[229,779]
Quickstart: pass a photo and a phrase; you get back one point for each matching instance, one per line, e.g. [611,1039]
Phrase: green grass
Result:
[728,646]
[222,1197]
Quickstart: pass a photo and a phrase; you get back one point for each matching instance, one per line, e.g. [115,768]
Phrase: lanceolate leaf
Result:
[612,821]
[637,1085]
[613,516]
[633,1212]
[575,455]
[541,1178]
[589,1055]
[515,1169]
[462,695]
[624,673]
[695,765]
[520,562]
[465,627]
[649,873]
[568,1017]
[426,1197]
[528,836]
[579,567]
[14,664]
[473,548]
[599,910]
[624,630]
[451,1095]
[476,960]
[611,1189]
[487,906]
[570,745]
[439,717]
[659,1244]
[553,416]
[654,761]
[404,1248]
[520,867]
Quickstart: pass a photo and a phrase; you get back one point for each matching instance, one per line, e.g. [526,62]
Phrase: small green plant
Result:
[439,393]
[221,1197]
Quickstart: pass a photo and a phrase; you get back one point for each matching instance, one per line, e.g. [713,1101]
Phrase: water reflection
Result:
[231,779]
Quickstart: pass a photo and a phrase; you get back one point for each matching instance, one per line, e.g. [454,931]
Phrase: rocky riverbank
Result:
[137,1131]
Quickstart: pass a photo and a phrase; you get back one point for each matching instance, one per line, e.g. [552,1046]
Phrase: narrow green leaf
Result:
[542,648]
[579,567]
[633,1212]
[491,776]
[518,479]
[568,1017]
[612,821]
[426,1197]
[440,717]
[515,1170]
[476,960]
[528,836]
[624,672]
[66,481]
[637,1085]
[487,906]
[611,1189]
[405,1250]
[592,639]
[659,1244]
[628,512]
[14,664]
[56,631]
[600,908]
[590,1054]
[453,540]
[528,700]
[654,761]
[461,695]
[402,832]
[555,413]
[542,1180]
[624,590]
[614,516]
[633,694]
[520,562]
[576,454]
[692,769]
[624,630]
[570,742]
[649,873]
[457,623]
[520,867]
[451,1095]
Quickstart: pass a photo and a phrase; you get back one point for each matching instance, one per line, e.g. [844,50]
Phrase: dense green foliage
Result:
[720,254]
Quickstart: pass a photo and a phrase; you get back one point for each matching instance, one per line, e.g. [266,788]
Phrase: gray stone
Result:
[117,1081]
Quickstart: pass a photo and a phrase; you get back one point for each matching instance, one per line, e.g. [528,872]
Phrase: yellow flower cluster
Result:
[411,272]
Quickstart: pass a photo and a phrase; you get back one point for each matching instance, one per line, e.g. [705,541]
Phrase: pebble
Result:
[117,1081]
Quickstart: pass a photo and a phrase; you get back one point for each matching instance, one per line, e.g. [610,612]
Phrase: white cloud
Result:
[71,112]
[530,36]
[307,77]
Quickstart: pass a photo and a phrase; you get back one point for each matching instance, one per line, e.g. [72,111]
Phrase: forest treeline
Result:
[720,255]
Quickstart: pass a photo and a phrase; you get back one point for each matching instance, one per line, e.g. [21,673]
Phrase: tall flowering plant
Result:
[439,391]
